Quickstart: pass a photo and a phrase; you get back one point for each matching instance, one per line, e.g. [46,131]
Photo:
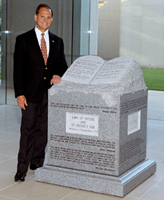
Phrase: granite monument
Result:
[97,127]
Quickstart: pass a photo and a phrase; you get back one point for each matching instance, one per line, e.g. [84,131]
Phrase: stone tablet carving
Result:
[83,69]
[94,70]
[112,71]
[97,119]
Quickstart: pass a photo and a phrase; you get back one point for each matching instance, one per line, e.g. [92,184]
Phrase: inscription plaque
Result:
[134,120]
[82,124]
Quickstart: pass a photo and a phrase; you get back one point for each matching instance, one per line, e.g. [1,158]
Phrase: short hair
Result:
[43,5]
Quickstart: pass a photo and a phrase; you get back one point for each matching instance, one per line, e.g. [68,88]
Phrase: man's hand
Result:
[55,79]
[22,102]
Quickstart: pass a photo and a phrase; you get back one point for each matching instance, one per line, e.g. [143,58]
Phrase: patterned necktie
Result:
[44,49]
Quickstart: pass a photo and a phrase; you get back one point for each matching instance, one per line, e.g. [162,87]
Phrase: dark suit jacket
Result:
[31,76]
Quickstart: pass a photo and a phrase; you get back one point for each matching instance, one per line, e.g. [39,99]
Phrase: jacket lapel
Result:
[52,48]
[35,46]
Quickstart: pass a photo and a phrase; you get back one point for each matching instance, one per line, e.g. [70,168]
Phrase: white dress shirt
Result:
[46,37]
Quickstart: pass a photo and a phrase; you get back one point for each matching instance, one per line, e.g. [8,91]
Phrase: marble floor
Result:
[151,189]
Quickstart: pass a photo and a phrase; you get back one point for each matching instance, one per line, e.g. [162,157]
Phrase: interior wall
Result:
[142,31]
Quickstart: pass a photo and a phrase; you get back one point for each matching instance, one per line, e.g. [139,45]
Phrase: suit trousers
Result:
[33,138]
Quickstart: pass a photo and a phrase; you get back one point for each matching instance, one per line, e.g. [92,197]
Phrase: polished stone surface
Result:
[100,183]
[150,189]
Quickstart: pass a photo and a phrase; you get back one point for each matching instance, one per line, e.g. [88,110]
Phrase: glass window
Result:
[2,52]
[81,27]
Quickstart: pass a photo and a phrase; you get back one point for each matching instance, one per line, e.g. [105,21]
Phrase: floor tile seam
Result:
[150,188]
[27,177]
[12,157]
[5,155]
[7,160]
[30,176]
[7,173]
[68,195]
[8,197]
[1,162]
[142,199]
[8,187]
[159,180]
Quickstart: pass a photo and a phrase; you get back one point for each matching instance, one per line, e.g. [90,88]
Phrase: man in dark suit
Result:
[39,62]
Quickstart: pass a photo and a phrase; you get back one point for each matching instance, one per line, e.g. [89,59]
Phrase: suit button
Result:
[44,78]
[46,68]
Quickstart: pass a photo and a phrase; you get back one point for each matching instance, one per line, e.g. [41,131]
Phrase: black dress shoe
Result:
[20,176]
[34,167]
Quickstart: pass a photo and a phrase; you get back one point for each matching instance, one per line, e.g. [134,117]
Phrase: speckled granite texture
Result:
[98,131]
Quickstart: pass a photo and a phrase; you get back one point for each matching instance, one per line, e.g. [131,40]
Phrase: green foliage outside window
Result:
[154,78]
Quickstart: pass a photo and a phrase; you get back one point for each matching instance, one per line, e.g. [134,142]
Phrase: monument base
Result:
[117,186]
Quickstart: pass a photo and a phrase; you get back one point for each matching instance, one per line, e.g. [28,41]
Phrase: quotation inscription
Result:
[103,159]
[103,109]
[84,157]
[131,149]
[83,69]
[140,102]
[82,141]
[94,70]
[112,71]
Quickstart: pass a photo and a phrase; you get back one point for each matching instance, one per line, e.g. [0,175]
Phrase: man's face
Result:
[43,19]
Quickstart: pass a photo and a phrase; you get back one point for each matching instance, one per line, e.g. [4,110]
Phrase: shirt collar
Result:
[39,32]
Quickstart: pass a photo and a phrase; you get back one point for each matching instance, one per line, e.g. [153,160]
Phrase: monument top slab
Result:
[92,73]
[94,70]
